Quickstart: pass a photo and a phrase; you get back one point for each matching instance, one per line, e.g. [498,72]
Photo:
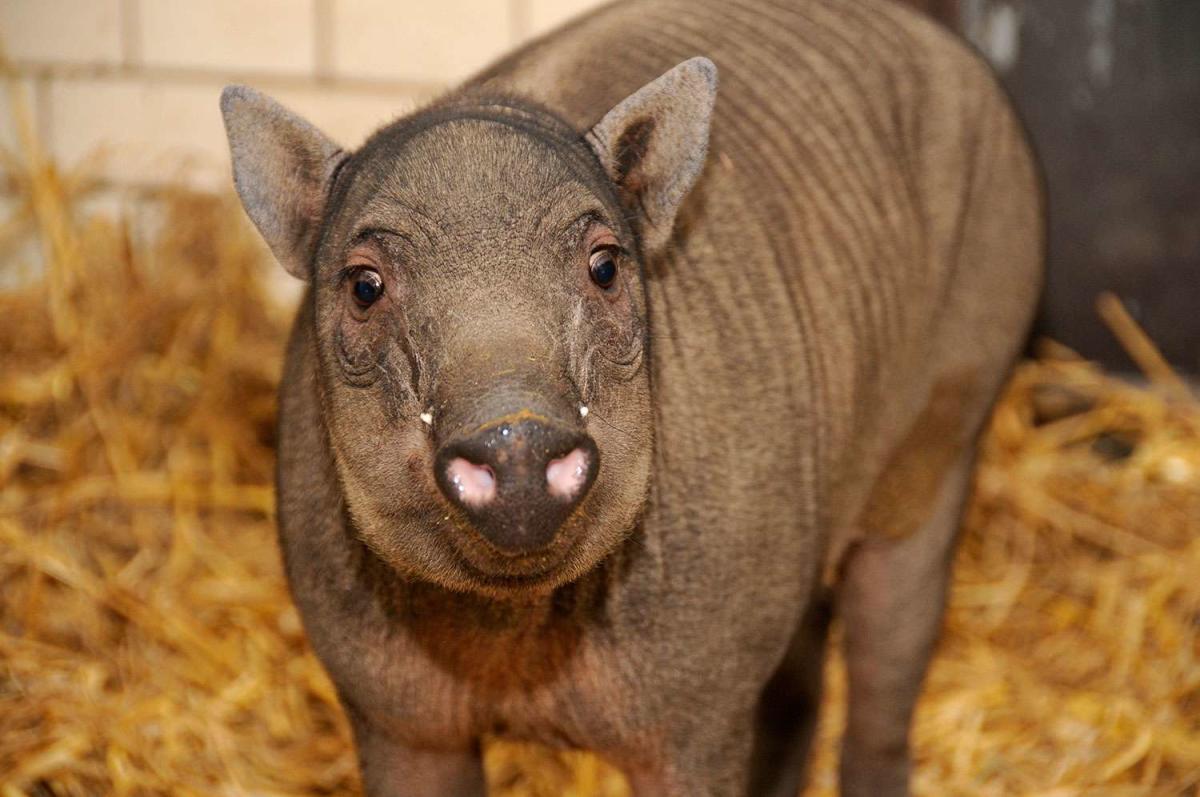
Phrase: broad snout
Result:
[518,478]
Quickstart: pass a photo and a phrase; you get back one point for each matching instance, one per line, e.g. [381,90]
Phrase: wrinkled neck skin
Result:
[529,636]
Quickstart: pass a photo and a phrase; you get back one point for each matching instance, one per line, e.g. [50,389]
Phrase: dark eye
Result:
[367,286]
[603,268]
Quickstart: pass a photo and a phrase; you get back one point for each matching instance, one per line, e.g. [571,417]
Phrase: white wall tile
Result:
[147,132]
[65,31]
[258,35]
[440,42]
[545,15]
[163,131]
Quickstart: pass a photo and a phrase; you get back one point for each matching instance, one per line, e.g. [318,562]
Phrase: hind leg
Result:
[787,712]
[891,600]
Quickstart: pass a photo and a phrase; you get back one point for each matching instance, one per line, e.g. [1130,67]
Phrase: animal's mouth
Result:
[504,571]
[536,582]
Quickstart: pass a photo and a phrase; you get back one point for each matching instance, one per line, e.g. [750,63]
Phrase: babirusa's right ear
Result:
[283,169]
[654,142]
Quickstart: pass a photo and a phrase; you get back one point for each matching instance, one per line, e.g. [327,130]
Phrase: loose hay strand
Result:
[149,646]
[1139,346]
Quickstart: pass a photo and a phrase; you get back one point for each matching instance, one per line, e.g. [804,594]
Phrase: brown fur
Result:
[788,381]
[905,492]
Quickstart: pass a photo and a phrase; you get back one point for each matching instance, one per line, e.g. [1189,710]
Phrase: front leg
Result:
[788,709]
[891,600]
[394,769]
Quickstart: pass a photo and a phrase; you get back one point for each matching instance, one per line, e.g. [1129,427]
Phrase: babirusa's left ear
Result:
[653,144]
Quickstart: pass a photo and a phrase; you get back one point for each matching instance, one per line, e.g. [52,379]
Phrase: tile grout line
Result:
[324,20]
[131,33]
[157,75]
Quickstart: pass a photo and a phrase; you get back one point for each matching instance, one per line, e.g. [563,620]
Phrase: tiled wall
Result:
[130,87]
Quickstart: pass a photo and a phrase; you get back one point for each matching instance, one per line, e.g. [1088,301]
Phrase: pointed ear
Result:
[283,169]
[654,142]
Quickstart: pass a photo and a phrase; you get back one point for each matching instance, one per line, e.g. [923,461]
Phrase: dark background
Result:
[1110,93]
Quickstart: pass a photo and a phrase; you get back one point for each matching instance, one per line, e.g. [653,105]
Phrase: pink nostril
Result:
[476,484]
[565,476]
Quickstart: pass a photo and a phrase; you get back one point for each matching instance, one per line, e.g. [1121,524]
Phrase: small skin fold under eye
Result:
[602,266]
[366,286]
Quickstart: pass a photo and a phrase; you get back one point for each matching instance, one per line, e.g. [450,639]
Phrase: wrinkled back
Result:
[816,258]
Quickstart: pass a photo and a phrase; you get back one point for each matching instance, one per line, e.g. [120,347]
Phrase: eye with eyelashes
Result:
[363,283]
[602,267]
[604,258]
[366,286]
[372,254]
[616,337]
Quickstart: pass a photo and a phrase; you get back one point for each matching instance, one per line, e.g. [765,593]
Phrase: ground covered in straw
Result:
[148,646]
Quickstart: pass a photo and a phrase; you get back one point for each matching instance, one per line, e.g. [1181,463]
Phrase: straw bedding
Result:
[148,645]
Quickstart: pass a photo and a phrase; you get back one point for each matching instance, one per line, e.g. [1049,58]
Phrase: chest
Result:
[449,676]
